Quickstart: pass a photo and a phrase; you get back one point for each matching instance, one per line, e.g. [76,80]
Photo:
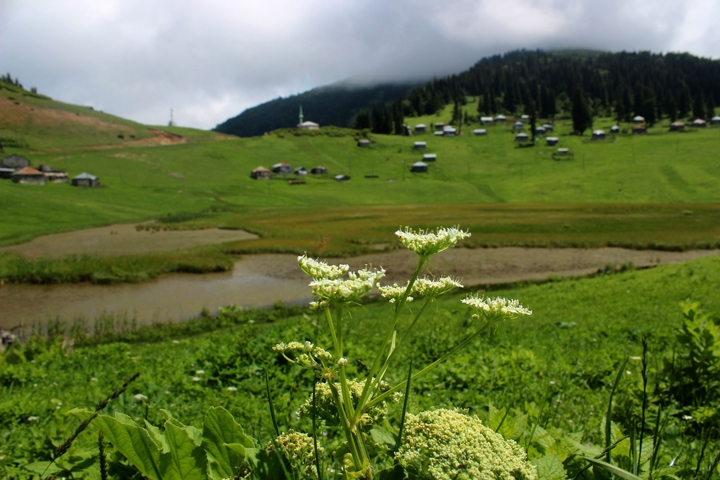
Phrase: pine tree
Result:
[581,116]
[699,106]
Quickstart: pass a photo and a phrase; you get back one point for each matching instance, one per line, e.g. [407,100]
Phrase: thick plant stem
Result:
[357,450]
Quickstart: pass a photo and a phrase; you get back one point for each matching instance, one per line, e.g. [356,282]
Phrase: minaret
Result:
[301,116]
[171,123]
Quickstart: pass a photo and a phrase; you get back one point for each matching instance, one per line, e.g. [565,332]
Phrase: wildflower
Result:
[445,444]
[342,362]
[93,379]
[426,287]
[343,291]
[320,270]
[199,372]
[140,397]
[394,292]
[299,450]
[231,389]
[33,418]
[426,243]
[195,379]
[496,306]
[304,354]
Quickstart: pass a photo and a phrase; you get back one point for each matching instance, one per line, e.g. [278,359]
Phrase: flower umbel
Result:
[426,287]
[394,292]
[319,270]
[499,305]
[343,291]
[426,243]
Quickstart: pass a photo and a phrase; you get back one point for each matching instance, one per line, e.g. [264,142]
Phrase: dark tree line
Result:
[7,78]
[623,85]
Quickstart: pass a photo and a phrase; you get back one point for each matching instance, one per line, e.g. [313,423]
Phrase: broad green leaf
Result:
[185,460]
[612,469]
[549,467]
[382,437]
[132,441]
[194,432]
[158,436]
[47,468]
[220,431]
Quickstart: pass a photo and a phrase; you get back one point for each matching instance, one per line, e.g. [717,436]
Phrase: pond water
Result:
[261,280]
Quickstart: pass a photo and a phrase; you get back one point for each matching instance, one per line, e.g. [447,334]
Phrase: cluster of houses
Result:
[283,168]
[18,169]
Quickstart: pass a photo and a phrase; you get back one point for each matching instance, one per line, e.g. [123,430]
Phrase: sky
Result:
[209,60]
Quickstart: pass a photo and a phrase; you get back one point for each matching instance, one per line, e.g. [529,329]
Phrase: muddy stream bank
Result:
[261,280]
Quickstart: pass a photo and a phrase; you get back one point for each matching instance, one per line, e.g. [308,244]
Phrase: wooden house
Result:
[486,119]
[52,175]
[598,134]
[479,131]
[699,123]
[638,119]
[539,131]
[639,130]
[363,142]
[14,161]
[319,170]
[500,118]
[419,145]
[715,120]
[28,176]
[6,172]
[551,141]
[548,127]
[421,128]
[429,157]
[677,127]
[522,137]
[518,126]
[449,131]
[439,133]
[524,117]
[301,171]
[419,167]
[85,180]
[282,168]
[615,129]
[439,125]
[260,173]
[342,178]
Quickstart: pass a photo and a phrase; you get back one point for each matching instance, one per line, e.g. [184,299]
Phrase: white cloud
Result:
[210,60]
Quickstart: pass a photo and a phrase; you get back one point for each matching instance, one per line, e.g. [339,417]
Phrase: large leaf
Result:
[221,430]
[185,460]
[549,467]
[132,441]
[612,469]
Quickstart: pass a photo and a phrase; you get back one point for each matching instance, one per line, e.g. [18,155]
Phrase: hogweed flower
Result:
[496,306]
[426,243]
[344,291]
[426,287]
[394,292]
[318,270]
[299,450]
[304,354]
[447,444]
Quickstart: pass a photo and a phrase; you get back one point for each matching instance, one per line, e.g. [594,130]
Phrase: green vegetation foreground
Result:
[544,381]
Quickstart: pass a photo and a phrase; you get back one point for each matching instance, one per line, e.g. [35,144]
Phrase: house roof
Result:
[598,132]
[86,175]
[261,169]
[420,143]
[282,164]
[639,127]
[552,139]
[419,164]
[27,171]
[638,118]
[430,155]
[308,124]
[699,121]
[715,118]
[420,125]
[479,130]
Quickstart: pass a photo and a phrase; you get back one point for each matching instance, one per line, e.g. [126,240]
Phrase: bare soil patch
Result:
[122,240]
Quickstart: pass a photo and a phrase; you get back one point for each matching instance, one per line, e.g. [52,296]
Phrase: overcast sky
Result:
[211,59]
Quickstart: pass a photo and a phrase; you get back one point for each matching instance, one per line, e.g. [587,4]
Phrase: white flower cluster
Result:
[426,243]
[317,269]
[394,292]
[343,291]
[446,444]
[497,305]
[304,354]
[299,450]
[424,287]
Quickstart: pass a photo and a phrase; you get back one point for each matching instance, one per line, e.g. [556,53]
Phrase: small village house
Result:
[449,131]
[677,127]
[539,131]
[522,137]
[53,176]
[429,157]
[439,125]
[563,151]
[500,118]
[699,123]
[524,117]
[598,134]
[419,167]
[638,119]
[282,168]
[479,131]
[715,120]
[419,145]
[342,178]
[319,170]
[518,126]
[14,161]
[548,127]
[639,130]
[6,173]
[301,171]
[486,119]
[260,173]
[421,128]
[28,176]
[85,180]
[615,129]
[363,142]
[551,141]
[439,133]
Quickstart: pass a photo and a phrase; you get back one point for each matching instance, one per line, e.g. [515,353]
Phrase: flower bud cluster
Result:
[423,287]
[499,305]
[447,444]
[426,243]
[298,448]
[305,354]
[344,291]
[394,292]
